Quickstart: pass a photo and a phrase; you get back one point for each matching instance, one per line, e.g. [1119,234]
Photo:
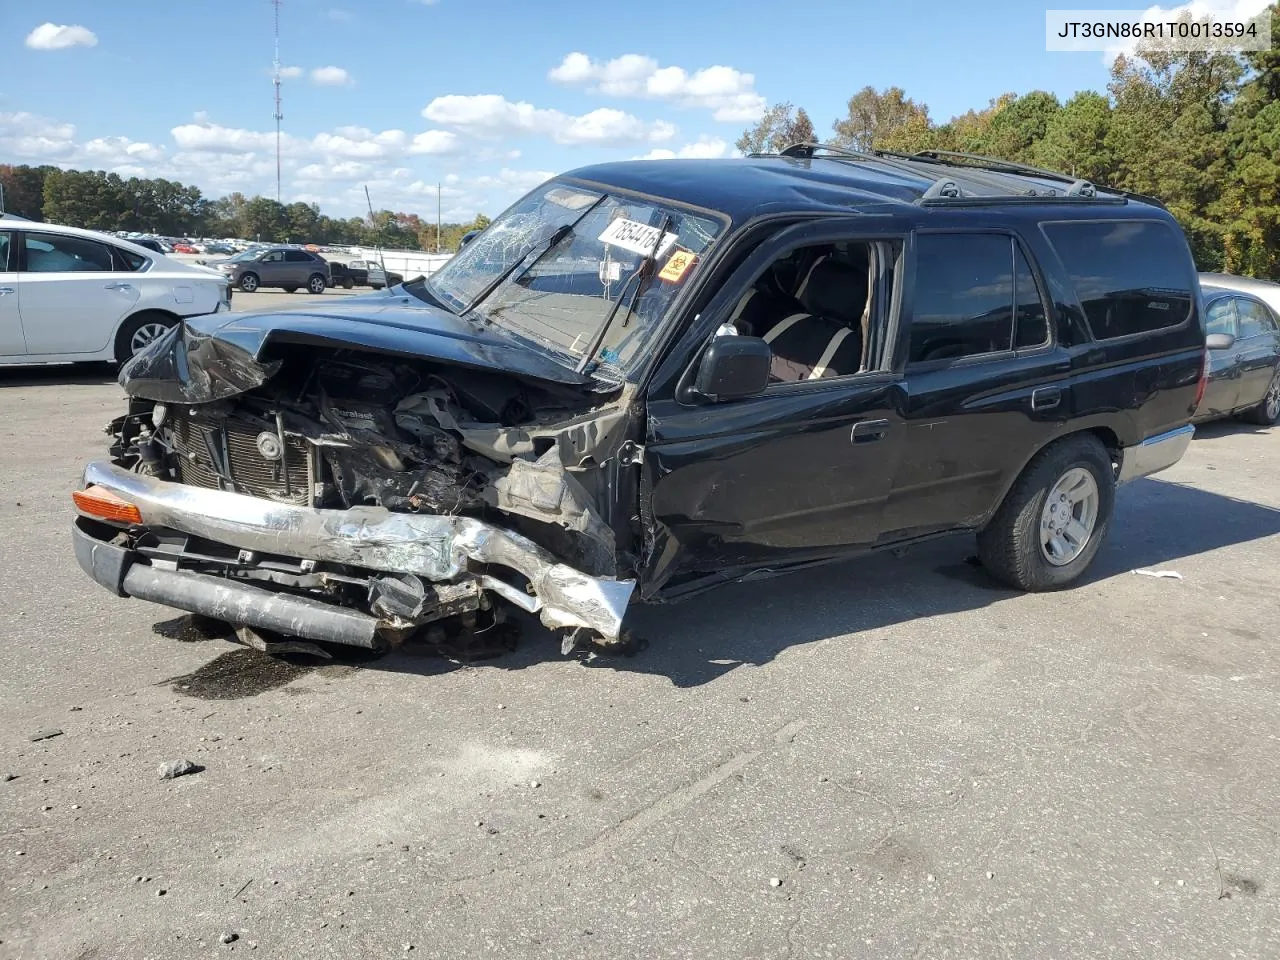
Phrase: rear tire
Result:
[1267,411]
[348,283]
[316,283]
[249,282]
[1034,544]
[140,331]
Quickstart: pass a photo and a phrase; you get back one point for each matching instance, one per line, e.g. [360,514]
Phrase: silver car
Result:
[283,267]
[1244,378]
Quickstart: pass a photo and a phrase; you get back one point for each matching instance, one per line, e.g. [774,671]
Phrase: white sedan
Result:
[69,295]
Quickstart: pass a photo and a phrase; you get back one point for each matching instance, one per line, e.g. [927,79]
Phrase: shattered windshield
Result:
[570,256]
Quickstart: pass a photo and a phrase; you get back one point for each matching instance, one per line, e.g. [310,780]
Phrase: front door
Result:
[1255,351]
[271,269]
[1223,383]
[70,300]
[12,343]
[802,470]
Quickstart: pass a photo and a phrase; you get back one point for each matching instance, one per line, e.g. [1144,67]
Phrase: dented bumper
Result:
[438,548]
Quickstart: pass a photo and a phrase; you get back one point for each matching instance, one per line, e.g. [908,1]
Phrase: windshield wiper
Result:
[642,273]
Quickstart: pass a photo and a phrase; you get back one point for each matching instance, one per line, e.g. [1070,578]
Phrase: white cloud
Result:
[494,116]
[54,36]
[435,142]
[291,73]
[204,136]
[120,149]
[360,142]
[728,93]
[704,148]
[33,137]
[330,77]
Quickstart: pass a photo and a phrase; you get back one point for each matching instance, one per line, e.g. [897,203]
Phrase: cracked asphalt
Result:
[884,758]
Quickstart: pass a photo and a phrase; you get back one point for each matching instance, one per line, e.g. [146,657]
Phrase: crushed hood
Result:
[221,355]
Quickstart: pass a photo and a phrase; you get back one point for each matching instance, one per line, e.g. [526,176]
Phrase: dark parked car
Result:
[285,267]
[648,378]
[1244,369]
[149,244]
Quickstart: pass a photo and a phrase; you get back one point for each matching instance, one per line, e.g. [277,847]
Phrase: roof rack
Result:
[946,190]
[1078,187]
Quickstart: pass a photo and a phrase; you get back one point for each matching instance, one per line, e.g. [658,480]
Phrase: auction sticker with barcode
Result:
[636,236]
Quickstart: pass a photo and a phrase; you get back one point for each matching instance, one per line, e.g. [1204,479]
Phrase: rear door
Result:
[1223,384]
[70,299]
[299,265]
[985,380]
[12,343]
[1255,350]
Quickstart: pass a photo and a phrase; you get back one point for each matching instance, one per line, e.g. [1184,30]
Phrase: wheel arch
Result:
[1105,434]
[168,316]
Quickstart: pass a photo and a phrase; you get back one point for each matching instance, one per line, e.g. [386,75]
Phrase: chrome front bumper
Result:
[437,548]
[1155,453]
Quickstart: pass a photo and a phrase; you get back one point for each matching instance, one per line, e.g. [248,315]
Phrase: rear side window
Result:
[6,241]
[975,294]
[56,253]
[1220,316]
[1132,276]
[297,256]
[128,260]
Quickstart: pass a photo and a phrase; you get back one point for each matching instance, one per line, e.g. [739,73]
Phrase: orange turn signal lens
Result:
[102,504]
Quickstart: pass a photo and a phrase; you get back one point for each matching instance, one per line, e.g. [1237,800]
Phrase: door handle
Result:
[5,291]
[869,430]
[119,285]
[1046,398]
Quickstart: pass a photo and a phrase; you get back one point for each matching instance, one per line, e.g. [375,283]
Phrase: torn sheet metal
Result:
[432,546]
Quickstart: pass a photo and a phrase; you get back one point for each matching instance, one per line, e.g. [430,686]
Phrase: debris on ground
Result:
[229,937]
[45,734]
[1160,574]
[10,776]
[775,882]
[178,768]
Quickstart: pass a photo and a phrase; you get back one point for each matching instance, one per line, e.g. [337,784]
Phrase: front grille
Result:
[223,455]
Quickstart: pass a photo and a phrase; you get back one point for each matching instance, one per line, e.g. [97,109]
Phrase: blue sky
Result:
[484,96]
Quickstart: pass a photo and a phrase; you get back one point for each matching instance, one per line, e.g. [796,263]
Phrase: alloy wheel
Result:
[1069,516]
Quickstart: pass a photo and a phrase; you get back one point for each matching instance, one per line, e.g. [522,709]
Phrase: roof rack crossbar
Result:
[806,151]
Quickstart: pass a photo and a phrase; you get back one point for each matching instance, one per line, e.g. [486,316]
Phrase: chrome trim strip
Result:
[433,546]
[1155,453]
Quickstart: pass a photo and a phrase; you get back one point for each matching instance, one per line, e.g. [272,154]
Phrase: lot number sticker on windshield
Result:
[636,237]
[678,265]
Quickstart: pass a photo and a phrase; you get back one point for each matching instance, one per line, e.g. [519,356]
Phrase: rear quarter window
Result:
[1131,276]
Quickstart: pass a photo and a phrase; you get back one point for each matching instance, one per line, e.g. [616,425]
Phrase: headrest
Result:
[836,290]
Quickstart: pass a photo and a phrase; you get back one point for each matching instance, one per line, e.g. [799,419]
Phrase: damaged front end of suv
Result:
[450,449]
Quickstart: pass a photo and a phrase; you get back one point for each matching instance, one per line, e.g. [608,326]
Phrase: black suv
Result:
[647,378]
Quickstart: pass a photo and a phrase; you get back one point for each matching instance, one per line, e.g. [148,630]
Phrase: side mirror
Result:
[467,238]
[1219,341]
[734,368]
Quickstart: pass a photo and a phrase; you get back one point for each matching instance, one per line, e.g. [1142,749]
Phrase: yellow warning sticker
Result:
[678,265]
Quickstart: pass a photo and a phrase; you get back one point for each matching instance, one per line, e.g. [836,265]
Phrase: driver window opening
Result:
[821,309]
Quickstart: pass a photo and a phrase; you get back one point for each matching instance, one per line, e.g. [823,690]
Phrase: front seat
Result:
[825,338]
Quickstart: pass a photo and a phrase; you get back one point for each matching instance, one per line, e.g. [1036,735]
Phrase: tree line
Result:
[98,200]
[1200,131]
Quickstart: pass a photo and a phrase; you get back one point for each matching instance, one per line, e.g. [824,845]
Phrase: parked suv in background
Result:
[284,267]
[648,378]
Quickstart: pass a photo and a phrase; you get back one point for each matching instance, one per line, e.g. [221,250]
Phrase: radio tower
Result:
[275,69]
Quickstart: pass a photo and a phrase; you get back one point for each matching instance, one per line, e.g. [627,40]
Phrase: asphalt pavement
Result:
[890,757]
